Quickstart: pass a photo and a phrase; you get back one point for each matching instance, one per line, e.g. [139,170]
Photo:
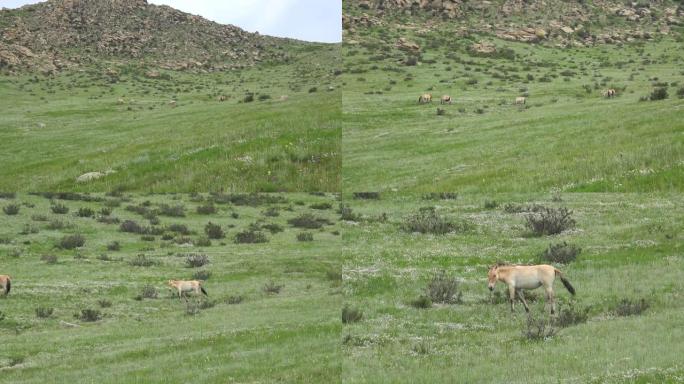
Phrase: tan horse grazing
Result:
[610,93]
[221,98]
[519,277]
[187,286]
[6,283]
[425,98]
[520,100]
[446,99]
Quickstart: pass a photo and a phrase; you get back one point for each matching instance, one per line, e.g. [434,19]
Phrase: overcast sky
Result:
[311,20]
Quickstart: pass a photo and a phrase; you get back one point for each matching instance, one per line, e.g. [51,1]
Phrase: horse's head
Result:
[492,277]
[171,283]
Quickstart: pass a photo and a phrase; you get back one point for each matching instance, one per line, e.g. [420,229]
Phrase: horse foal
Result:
[6,284]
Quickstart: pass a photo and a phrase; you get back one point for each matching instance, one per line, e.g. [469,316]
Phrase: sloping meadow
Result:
[416,297]
[89,291]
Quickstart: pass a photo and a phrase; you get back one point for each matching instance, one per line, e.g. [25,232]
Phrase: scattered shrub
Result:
[11,209]
[147,238]
[38,217]
[250,236]
[131,226]
[347,214]
[536,329]
[272,212]
[305,236]
[207,209]
[114,246]
[173,211]
[44,312]
[214,231]
[443,289]
[49,259]
[550,221]
[427,220]
[272,288]
[422,302]
[179,228]
[367,195]
[104,211]
[440,196]
[273,228]
[628,307]
[201,275]
[196,260]
[59,209]
[72,241]
[202,241]
[680,92]
[351,315]
[85,212]
[321,206]
[659,94]
[570,315]
[149,292]
[234,299]
[308,221]
[104,303]
[141,260]
[562,253]
[88,315]
[192,308]
[491,204]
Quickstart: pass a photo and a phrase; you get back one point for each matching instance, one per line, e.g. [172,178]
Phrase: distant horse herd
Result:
[426,98]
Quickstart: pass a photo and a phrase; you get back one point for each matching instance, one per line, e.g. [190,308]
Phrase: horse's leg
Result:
[522,298]
[550,298]
[511,296]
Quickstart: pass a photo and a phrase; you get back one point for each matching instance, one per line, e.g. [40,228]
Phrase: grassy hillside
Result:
[566,137]
[631,248]
[239,333]
[56,128]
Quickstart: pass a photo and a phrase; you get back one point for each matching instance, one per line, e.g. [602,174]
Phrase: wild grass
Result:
[297,331]
[625,239]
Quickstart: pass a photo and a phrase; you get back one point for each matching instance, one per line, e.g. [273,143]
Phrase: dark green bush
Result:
[443,288]
[72,241]
[11,209]
[562,253]
[351,315]
[214,231]
[550,221]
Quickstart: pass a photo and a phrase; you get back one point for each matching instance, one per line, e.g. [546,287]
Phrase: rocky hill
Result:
[59,34]
[578,22]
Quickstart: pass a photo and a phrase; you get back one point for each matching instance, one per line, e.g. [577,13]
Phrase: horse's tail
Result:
[8,287]
[203,291]
[565,282]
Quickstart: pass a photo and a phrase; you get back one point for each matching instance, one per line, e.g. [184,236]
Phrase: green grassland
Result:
[631,247]
[567,137]
[58,127]
[240,333]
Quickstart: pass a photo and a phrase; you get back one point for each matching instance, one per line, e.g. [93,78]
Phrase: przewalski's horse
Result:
[446,99]
[519,277]
[221,98]
[6,284]
[609,93]
[520,100]
[425,98]
[187,286]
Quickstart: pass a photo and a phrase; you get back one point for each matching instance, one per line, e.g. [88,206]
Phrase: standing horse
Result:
[520,100]
[6,283]
[446,99]
[609,93]
[425,98]
[187,286]
[519,277]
